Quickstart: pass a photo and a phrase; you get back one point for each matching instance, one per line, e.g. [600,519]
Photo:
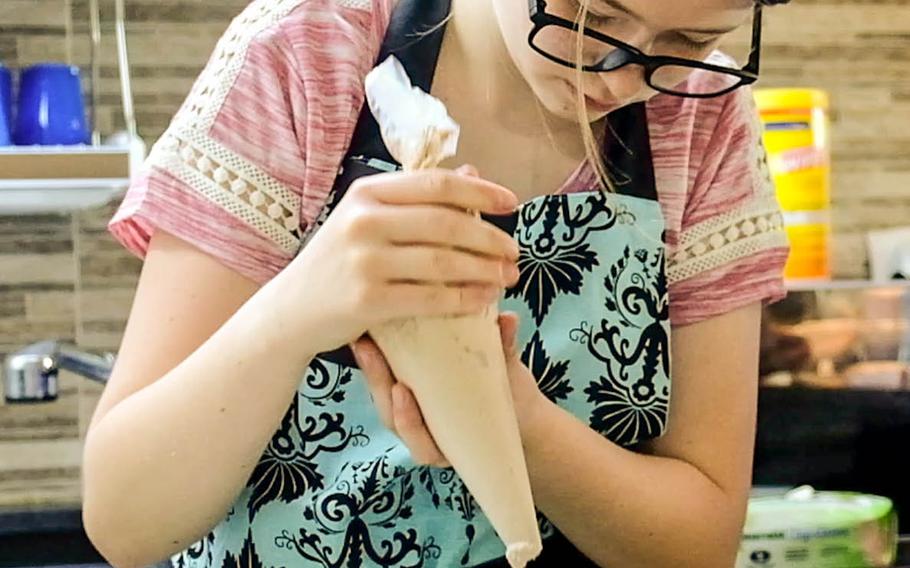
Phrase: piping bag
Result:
[455,366]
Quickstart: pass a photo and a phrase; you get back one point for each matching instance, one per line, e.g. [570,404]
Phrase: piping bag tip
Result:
[520,553]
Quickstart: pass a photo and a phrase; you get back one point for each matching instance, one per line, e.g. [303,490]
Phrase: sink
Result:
[45,537]
[903,552]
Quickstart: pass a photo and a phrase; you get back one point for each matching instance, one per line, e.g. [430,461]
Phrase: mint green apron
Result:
[335,488]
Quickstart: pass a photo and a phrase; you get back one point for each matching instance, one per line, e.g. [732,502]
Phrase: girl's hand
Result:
[399,411]
[399,245]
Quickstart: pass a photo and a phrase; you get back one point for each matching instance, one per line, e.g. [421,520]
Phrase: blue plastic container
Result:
[51,108]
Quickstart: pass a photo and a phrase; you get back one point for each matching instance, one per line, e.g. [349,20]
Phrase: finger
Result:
[442,187]
[468,170]
[378,375]
[508,330]
[412,429]
[406,299]
[438,265]
[429,224]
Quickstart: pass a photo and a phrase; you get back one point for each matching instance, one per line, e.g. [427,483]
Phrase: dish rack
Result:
[61,179]
[848,334]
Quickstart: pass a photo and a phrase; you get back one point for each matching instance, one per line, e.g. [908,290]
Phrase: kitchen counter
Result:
[42,519]
[44,536]
[55,536]
[47,536]
[840,440]
[903,553]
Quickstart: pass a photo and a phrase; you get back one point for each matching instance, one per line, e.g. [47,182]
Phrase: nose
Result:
[627,81]
[623,84]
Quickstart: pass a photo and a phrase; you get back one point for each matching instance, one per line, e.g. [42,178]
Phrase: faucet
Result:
[30,374]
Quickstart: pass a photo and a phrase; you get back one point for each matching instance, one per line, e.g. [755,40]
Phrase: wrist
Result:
[533,419]
[276,320]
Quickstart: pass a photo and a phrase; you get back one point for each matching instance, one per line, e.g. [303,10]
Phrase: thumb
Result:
[468,170]
[508,331]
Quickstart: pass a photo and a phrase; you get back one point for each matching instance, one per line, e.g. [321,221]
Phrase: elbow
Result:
[728,536]
[718,536]
[106,530]
[96,516]
[110,542]
[106,517]
[717,549]
[104,540]
[723,534]
[115,537]
[726,556]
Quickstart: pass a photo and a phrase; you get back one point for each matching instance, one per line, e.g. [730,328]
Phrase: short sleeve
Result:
[249,159]
[732,245]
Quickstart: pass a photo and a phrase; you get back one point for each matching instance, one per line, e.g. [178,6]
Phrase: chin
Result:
[566,109]
[556,103]
[558,97]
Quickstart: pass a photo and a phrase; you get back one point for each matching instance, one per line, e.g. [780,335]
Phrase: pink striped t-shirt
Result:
[247,163]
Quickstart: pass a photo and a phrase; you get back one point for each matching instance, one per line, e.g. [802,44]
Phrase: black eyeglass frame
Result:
[747,75]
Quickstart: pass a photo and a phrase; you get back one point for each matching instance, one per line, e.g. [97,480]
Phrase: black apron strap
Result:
[414,36]
[627,152]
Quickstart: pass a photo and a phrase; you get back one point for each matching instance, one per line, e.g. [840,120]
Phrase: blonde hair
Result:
[593,146]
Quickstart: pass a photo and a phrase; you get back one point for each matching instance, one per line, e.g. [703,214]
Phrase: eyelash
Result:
[691,43]
[595,19]
[599,20]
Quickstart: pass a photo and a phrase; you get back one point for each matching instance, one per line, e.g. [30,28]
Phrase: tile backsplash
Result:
[62,276]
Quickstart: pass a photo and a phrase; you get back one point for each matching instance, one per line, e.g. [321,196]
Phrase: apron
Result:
[335,488]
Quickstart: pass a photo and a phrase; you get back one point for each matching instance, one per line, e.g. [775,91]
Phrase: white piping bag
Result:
[455,365]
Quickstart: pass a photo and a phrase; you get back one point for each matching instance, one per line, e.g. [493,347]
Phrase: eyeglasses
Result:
[556,39]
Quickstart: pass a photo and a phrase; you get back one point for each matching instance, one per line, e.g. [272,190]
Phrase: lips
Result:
[593,105]
[599,106]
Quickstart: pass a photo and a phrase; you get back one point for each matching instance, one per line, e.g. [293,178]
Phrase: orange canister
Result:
[796,137]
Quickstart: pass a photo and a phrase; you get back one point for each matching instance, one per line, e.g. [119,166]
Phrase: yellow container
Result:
[809,234]
[796,136]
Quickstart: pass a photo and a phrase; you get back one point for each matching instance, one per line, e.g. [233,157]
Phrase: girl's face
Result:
[683,28]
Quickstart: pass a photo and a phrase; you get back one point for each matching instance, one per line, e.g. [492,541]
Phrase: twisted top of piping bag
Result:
[415,126]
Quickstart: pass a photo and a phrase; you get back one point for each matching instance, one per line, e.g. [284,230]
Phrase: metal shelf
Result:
[36,180]
[822,285]
[59,196]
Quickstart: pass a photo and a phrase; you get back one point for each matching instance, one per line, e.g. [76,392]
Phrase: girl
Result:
[237,428]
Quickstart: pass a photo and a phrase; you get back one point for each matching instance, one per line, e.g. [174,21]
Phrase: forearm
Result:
[627,509]
[164,465]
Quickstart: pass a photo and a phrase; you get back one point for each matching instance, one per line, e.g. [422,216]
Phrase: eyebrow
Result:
[619,6]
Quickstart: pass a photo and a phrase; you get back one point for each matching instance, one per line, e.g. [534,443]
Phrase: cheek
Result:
[542,76]
[552,84]
[513,21]
[558,95]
